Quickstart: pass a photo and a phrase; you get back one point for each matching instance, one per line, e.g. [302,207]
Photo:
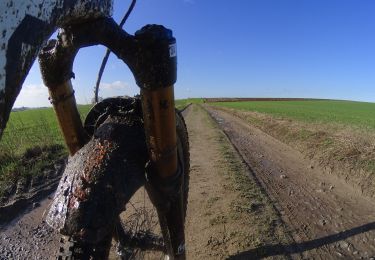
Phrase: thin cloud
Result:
[33,95]
[116,85]
[117,88]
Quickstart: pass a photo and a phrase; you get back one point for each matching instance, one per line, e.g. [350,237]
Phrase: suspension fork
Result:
[155,69]
[151,56]
[156,77]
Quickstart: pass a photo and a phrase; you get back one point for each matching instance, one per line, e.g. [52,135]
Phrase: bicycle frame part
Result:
[151,56]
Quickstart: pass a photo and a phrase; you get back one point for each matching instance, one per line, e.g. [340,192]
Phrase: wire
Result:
[108,51]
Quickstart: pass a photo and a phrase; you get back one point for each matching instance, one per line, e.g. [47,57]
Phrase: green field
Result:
[36,131]
[181,103]
[359,114]
[32,127]
[26,129]
[31,142]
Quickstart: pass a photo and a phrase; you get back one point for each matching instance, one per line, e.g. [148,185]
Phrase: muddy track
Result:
[28,236]
[327,218]
[221,222]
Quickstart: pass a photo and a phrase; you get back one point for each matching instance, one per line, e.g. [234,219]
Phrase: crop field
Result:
[357,114]
[329,131]
[37,127]
[31,142]
[181,103]
[26,129]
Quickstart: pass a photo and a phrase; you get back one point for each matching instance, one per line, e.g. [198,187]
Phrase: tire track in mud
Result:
[327,218]
[325,222]
[28,236]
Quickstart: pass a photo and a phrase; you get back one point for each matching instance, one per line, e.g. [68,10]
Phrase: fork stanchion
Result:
[64,104]
[155,71]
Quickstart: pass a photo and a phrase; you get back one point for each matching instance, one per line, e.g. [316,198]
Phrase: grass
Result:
[358,114]
[32,168]
[36,129]
[182,103]
[26,129]
[31,143]
[338,136]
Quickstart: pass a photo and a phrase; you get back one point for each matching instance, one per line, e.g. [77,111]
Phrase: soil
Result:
[29,237]
[342,150]
[228,213]
[256,199]
[327,217]
[36,170]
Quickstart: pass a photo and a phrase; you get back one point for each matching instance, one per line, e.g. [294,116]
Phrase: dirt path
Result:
[29,237]
[228,214]
[327,217]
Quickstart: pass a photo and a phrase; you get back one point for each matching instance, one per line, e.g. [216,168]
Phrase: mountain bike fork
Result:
[151,56]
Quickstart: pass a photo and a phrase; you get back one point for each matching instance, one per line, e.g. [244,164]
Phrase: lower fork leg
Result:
[171,217]
[165,177]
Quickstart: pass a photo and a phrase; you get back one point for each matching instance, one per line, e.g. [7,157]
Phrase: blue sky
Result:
[244,48]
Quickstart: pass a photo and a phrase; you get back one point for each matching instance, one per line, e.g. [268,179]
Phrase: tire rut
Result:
[29,236]
[327,218]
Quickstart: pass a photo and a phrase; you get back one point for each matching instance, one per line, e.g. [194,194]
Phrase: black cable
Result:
[106,56]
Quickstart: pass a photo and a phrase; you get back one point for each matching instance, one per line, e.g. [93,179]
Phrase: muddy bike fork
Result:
[151,56]
[164,172]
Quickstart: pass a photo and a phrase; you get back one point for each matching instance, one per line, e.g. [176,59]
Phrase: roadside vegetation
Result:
[182,103]
[354,114]
[28,128]
[31,144]
[339,136]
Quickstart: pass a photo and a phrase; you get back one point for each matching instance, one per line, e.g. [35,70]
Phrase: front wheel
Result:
[116,124]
